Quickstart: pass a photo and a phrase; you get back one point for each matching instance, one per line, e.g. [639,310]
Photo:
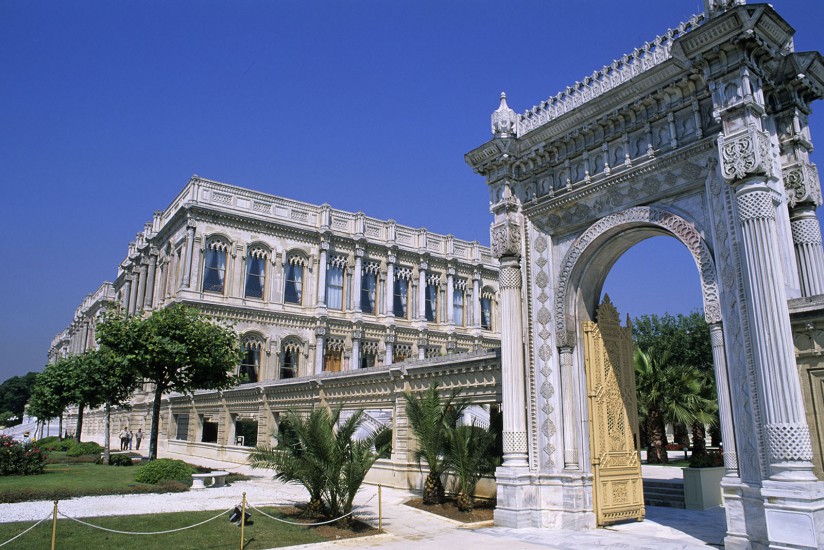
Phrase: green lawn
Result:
[62,481]
[217,534]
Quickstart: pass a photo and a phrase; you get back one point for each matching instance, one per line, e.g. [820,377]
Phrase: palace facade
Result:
[311,290]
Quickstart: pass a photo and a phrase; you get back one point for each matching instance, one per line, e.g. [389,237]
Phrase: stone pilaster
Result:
[320,346]
[324,254]
[390,288]
[150,279]
[572,413]
[450,296]
[357,279]
[190,251]
[125,294]
[422,267]
[132,296]
[724,405]
[476,299]
[141,283]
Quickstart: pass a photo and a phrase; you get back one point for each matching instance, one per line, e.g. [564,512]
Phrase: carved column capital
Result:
[802,184]
[506,239]
[745,154]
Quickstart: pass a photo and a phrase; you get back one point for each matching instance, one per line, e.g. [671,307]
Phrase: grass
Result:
[66,480]
[679,463]
[217,534]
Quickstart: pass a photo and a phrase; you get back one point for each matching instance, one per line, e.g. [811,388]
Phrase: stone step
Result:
[668,494]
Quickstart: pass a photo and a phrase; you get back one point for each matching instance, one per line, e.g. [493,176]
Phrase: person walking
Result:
[138,437]
[123,439]
[129,436]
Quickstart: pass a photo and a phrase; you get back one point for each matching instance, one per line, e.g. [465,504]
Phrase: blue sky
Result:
[107,108]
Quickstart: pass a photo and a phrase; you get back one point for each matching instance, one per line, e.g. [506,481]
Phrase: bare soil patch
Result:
[482,512]
[330,531]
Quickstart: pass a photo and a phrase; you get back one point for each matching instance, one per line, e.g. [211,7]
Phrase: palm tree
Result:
[431,421]
[667,393]
[320,453]
[469,455]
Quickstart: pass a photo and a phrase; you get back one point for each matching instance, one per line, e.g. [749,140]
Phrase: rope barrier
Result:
[26,531]
[258,510]
[146,532]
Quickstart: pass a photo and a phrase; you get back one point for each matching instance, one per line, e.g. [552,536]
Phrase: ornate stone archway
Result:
[701,134]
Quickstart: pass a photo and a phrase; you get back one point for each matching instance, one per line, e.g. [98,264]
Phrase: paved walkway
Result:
[405,527]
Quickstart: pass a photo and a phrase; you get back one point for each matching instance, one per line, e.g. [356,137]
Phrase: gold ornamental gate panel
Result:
[618,492]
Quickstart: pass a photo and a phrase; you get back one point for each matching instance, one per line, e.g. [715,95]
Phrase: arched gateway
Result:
[701,135]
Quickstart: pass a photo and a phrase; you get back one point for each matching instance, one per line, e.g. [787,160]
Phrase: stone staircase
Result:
[664,493]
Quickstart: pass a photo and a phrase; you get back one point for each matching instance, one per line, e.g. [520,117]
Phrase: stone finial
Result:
[716,7]
[504,120]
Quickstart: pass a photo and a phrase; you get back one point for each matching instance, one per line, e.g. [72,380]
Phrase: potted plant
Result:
[702,480]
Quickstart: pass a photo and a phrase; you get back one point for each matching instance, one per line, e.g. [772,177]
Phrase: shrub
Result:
[164,469]
[54,444]
[711,459]
[120,460]
[21,459]
[87,448]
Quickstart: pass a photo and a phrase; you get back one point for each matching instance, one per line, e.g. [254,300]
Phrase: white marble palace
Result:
[311,291]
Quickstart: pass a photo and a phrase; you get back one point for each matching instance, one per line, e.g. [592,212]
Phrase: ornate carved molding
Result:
[676,225]
[745,154]
[802,184]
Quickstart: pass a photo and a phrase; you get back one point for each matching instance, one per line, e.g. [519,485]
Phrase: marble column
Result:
[125,294]
[324,256]
[132,297]
[390,286]
[357,278]
[450,295]
[319,349]
[354,363]
[150,281]
[190,250]
[476,299]
[141,284]
[722,385]
[422,290]
[789,448]
[809,253]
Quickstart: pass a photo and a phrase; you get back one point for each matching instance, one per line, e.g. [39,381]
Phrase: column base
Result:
[550,501]
[794,514]
[744,511]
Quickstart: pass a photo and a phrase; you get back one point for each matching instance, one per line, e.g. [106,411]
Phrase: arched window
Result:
[214,269]
[293,289]
[458,294]
[487,298]
[249,370]
[431,298]
[368,354]
[400,302]
[402,352]
[256,272]
[334,282]
[290,363]
[369,287]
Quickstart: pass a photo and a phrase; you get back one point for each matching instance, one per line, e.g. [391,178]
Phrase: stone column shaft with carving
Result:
[506,245]
[787,435]
[809,252]
[571,412]
[190,250]
[719,361]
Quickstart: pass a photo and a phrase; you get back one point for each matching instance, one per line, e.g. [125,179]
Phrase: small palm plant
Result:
[431,419]
[470,455]
[320,453]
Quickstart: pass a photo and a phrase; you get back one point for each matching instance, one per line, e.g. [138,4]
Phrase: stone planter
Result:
[702,487]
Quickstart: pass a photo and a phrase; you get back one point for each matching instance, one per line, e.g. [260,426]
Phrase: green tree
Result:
[54,390]
[470,454]
[431,419]
[685,337]
[667,393]
[321,453]
[14,394]
[176,349]
[109,380]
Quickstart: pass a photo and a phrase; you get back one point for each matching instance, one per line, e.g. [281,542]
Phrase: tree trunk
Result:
[79,427]
[60,427]
[681,434]
[699,445]
[155,422]
[107,433]
[656,438]
[433,492]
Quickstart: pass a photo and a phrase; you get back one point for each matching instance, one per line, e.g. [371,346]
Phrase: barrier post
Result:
[242,518]
[54,525]
[380,509]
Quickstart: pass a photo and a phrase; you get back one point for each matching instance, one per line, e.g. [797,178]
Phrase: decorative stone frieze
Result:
[802,184]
